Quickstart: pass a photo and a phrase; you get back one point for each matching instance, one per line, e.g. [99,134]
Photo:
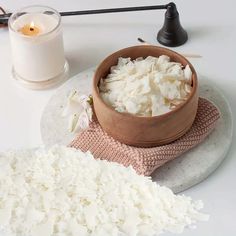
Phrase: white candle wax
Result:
[37,57]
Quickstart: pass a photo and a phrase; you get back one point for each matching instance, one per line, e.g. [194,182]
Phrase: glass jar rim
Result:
[11,19]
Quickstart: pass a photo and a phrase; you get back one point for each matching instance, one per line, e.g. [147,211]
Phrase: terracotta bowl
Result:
[145,131]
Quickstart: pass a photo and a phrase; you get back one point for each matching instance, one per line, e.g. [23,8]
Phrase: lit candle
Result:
[37,47]
[30,29]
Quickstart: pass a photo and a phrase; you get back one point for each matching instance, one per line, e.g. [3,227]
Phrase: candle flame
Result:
[30,29]
[32,26]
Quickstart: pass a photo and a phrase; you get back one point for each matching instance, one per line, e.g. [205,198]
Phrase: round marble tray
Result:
[179,174]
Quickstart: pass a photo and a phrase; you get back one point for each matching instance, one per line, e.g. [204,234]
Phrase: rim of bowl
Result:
[126,114]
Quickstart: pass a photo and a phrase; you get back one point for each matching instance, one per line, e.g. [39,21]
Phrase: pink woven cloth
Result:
[146,160]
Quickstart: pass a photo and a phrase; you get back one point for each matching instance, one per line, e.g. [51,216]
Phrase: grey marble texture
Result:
[179,174]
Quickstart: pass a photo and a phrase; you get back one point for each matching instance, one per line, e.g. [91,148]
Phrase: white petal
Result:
[83,121]
[72,124]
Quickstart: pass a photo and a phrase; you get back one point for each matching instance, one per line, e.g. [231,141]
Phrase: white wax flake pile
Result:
[65,192]
[146,87]
[78,110]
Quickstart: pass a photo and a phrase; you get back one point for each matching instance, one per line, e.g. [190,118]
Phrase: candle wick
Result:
[31,29]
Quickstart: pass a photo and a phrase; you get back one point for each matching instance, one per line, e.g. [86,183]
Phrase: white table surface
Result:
[88,39]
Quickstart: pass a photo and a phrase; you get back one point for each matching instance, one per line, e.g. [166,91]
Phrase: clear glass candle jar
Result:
[37,47]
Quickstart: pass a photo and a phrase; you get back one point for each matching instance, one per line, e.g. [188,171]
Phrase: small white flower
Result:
[78,110]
